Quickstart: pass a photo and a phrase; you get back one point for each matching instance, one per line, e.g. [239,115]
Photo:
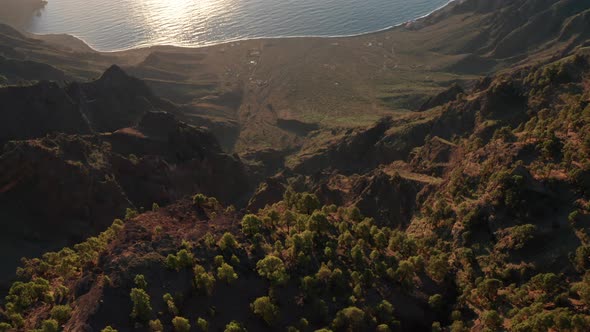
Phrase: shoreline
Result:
[245,39]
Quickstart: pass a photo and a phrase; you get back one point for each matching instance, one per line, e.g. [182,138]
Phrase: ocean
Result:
[109,25]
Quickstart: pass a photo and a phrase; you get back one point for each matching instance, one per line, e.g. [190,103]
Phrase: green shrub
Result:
[182,260]
[357,255]
[273,269]
[181,324]
[156,325]
[218,260]
[251,225]
[551,147]
[438,266]
[265,309]
[199,199]
[549,283]
[227,242]
[234,326]
[521,234]
[458,326]
[583,288]
[185,258]
[209,240]
[436,327]
[130,214]
[582,258]
[50,325]
[109,329]
[213,202]
[435,301]
[61,313]
[204,281]
[405,272]
[169,300]
[133,159]
[318,222]
[488,289]
[142,308]
[382,328]
[230,209]
[226,273]
[202,324]
[234,260]
[324,274]
[140,282]
[354,214]
[303,323]
[307,203]
[505,134]
[351,318]
[492,320]
[158,230]
[17,320]
[23,295]
[385,312]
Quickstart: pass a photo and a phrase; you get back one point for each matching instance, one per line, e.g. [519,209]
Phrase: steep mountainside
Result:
[110,147]
[478,225]
[113,101]
[467,211]
[35,111]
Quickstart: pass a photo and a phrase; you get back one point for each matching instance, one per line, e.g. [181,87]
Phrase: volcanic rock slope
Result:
[470,214]
[76,157]
[480,225]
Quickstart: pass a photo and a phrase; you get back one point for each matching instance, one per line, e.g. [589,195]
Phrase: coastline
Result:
[334,82]
[245,39]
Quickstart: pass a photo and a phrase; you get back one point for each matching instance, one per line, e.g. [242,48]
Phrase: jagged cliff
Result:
[109,147]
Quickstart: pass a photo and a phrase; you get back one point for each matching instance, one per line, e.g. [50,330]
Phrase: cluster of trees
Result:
[57,267]
[342,271]
[331,255]
[495,215]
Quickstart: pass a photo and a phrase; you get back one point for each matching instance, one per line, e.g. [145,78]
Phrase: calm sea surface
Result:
[109,25]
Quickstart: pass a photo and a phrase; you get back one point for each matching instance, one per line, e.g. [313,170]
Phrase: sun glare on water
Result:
[110,25]
[170,18]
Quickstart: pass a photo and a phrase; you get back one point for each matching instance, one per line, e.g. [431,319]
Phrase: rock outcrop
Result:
[75,158]
[115,100]
[35,111]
